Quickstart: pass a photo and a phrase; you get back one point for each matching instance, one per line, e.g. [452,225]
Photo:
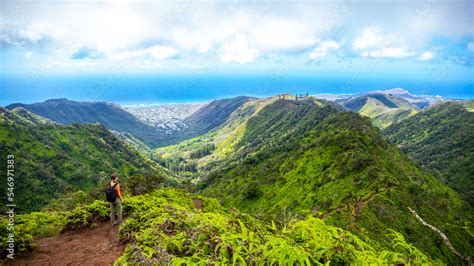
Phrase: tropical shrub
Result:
[166,227]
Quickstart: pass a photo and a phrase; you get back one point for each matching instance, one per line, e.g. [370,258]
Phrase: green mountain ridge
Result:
[383,109]
[111,116]
[441,139]
[223,138]
[53,160]
[21,116]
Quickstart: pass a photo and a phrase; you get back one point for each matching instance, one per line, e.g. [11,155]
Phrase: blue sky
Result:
[416,39]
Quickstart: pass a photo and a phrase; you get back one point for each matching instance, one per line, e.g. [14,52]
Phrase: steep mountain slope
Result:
[202,153]
[109,115]
[53,160]
[21,116]
[383,109]
[213,114]
[441,139]
[299,158]
[419,101]
[179,156]
[218,144]
[207,118]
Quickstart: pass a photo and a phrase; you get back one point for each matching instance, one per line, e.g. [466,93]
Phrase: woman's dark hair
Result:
[113,177]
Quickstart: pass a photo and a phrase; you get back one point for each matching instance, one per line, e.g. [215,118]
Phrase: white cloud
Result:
[119,26]
[28,54]
[377,44]
[372,37]
[283,34]
[20,37]
[74,25]
[269,33]
[126,55]
[30,35]
[158,30]
[426,56]
[189,40]
[323,48]
[203,35]
[389,52]
[470,46]
[162,52]
[238,50]
[157,52]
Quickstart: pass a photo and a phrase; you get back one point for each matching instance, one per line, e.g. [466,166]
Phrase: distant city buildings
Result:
[167,117]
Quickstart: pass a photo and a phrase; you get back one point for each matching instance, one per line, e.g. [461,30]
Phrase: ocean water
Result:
[174,88]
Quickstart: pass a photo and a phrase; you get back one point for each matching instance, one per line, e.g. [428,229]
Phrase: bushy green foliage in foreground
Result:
[165,227]
[29,226]
[173,226]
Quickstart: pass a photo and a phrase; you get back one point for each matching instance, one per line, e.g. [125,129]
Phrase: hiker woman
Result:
[116,206]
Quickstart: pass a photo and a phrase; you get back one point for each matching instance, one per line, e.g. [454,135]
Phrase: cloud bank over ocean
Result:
[186,33]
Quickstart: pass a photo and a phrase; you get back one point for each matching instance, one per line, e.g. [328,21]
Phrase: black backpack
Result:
[110,194]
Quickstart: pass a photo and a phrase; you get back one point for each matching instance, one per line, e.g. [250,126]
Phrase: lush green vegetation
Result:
[202,151]
[167,227]
[53,160]
[206,119]
[177,164]
[300,158]
[469,105]
[221,142]
[319,186]
[441,139]
[382,109]
[172,226]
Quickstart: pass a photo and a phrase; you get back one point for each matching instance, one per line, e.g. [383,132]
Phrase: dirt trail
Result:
[97,246]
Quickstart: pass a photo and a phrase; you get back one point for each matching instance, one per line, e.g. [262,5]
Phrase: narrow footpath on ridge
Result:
[92,246]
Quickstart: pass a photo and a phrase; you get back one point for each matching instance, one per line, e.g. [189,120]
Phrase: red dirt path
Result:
[96,246]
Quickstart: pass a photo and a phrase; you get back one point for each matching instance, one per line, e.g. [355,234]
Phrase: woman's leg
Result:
[112,212]
[118,204]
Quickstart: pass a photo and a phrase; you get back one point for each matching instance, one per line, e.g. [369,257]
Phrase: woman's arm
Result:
[119,192]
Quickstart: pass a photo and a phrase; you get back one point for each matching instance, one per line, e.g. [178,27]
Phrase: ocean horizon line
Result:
[204,100]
